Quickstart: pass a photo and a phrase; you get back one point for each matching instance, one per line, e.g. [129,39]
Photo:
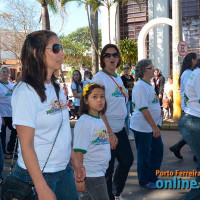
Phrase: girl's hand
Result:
[79,171]
[113,140]
[46,194]
[156,132]
[80,186]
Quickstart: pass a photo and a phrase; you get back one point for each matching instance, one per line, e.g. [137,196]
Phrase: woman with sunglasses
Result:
[145,123]
[114,118]
[6,91]
[40,115]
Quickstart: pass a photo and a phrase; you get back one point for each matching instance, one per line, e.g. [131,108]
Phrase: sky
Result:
[76,17]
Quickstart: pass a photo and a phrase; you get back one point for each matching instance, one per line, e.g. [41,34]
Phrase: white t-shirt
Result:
[91,138]
[183,81]
[116,106]
[6,91]
[144,96]
[192,94]
[76,100]
[45,118]
[86,81]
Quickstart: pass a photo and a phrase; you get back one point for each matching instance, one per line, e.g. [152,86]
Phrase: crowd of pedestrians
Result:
[107,107]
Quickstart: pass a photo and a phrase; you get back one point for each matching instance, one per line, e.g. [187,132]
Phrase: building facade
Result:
[131,19]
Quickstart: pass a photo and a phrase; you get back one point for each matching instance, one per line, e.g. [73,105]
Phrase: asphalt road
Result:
[133,191]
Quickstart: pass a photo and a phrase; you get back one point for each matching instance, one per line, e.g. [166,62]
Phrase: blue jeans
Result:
[61,183]
[127,119]
[189,127]
[1,159]
[123,154]
[149,156]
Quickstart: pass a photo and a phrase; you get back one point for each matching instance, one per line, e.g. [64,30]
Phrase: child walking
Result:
[91,143]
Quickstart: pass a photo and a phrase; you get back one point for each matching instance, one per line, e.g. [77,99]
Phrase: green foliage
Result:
[128,50]
[77,46]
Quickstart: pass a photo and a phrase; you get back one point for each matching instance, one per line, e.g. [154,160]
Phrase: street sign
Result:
[182,48]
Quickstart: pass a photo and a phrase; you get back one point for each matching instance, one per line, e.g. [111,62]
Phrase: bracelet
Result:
[80,181]
[109,134]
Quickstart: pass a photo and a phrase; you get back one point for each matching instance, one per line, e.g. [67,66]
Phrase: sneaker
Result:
[150,185]
[176,152]
[118,198]
[130,137]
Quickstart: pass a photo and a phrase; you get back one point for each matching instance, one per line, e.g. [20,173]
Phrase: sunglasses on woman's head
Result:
[108,55]
[56,48]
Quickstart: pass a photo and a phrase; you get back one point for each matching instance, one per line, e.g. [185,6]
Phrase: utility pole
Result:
[176,37]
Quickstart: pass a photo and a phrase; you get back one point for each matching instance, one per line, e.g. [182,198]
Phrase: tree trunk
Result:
[94,33]
[45,16]
[109,24]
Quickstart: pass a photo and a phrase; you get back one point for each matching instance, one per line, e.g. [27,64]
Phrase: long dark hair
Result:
[187,63]
[84,108]
[33,65]
[107,46]
[79,80]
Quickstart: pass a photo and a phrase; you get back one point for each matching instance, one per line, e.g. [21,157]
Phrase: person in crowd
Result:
[165,106]
[128,82]
[188,65]
[1,155]
[77,88]
[114,118]
[87,78]
[91,143]
[82,70]
[168,91]
[158,84]
[133,71]
[41,118]
[189,122]
[145,122]
[6,91]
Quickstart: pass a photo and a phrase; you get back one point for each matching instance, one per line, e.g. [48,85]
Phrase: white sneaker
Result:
[118,198]
[130,137]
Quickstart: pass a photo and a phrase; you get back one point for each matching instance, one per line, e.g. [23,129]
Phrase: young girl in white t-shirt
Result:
[91,143]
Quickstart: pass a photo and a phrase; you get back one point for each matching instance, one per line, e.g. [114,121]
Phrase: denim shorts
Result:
[61,183]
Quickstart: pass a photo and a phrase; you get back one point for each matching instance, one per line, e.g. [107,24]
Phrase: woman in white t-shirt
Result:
[1,155]
[77,88]
[188,65]
[114,118]
[6,91]
[145,122]
[91,143]
[189,122]
[40,115]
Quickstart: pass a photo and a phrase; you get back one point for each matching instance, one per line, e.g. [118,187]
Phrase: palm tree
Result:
[54,6]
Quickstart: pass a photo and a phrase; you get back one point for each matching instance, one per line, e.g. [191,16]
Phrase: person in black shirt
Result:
[128,82]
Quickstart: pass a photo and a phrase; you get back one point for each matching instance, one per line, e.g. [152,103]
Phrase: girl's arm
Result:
[148,117]
[76,94]
[26,138]
[80,183]
[112,136]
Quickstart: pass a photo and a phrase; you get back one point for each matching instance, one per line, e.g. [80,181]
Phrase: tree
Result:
[128,50]
[18,21]
[55,6]
[77,46]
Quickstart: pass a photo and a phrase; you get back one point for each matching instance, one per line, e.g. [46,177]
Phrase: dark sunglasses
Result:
[108,55]
[56,48]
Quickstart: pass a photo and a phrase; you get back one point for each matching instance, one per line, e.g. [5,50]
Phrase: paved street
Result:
[133,191]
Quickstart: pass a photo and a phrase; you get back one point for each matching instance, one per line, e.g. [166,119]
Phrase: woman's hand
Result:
[113,140]
[80,186]
[156,132]
[46,193]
